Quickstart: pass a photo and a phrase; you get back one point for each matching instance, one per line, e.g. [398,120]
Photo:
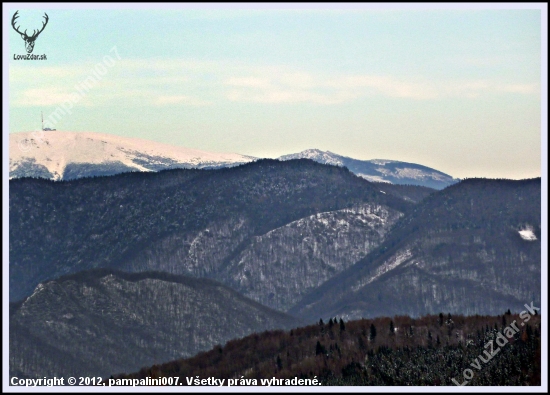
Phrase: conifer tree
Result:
[372,332]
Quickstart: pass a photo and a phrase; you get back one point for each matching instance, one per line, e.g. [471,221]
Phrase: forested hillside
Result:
[473,248]
[95,322]
[431,350]
[410,193]
[179,221]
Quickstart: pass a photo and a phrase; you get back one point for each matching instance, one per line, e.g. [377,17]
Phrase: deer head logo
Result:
[29,40]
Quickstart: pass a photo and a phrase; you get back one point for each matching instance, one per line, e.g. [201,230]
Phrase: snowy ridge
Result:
[68,155]
[327,157]
[372,215]
[380,170]
[281,266]
[55,150]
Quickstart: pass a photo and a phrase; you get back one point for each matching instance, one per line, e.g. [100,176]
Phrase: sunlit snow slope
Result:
[381,170]
[68,155]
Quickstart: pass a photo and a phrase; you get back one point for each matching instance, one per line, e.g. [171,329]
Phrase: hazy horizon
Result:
[455,90]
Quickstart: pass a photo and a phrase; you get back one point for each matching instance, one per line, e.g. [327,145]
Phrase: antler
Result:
[15,16]
[34,35]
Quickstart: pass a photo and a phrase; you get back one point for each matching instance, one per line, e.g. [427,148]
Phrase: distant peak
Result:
[313,151]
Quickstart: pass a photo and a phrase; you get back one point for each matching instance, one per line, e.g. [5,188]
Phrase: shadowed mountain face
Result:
[409,193]
[473,248]
[296,235]
[98,322]
[200,222]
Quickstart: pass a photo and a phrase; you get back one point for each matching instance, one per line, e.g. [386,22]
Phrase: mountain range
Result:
[68,155]
[200,222]
[292,235]
[184,259]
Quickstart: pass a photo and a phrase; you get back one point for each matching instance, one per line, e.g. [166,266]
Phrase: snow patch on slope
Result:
[371,178]
[528,234]
[381,162]
[373,215]
[387,266]
[418,174]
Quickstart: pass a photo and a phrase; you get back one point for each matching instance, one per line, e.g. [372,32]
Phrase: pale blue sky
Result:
[457,90]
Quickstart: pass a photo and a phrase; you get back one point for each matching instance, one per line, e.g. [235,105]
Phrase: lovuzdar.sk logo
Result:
[29,39]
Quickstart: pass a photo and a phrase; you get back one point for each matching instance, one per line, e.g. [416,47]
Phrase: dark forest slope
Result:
[430,350]
[97,322]
[459,250]
[180,221]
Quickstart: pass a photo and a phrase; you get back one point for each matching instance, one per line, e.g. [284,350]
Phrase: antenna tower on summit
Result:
[43,128]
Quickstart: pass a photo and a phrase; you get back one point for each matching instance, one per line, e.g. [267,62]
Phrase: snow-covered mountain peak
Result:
[68,155]
[325,157]
[380,170]
[62,155]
